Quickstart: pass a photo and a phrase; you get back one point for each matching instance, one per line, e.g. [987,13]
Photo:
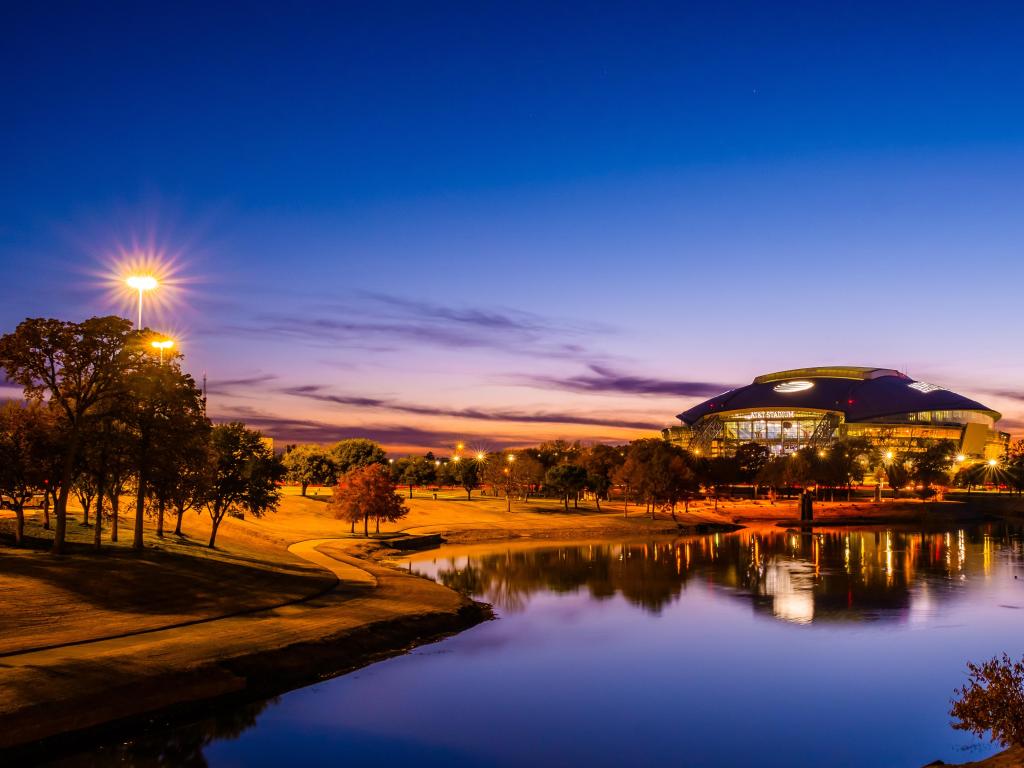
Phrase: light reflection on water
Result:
[799,576]
[761,647]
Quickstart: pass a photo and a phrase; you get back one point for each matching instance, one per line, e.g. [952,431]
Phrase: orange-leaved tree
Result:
[366,492]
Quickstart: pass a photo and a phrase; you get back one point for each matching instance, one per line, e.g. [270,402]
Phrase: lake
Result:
[761,647]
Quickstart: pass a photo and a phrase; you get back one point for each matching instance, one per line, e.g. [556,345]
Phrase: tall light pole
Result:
[141,283]
[162,345]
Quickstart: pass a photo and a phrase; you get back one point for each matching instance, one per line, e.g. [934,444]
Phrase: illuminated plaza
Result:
[812,407]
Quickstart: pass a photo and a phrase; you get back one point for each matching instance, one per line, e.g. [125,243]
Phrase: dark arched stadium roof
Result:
[859,393]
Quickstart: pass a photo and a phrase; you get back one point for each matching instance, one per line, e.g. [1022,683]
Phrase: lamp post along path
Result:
[141,283]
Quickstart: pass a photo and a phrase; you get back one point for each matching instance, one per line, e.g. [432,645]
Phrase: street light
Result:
[511,458]
[162,345]
[960,458]
[480,455]
[141,283]
[993,462]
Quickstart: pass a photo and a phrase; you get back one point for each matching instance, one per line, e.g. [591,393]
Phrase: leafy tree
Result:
[529,473]
[24,433]
[243,475]
[602,462]
[356,452]
[79,368]
[556,452]
[309,465]
[414,470]
[465,473]
[993,701]
[566,480]
[190,486]
[365,492]
[897,473]
[932,465]
[165,415]
[751,458]
[1014,465]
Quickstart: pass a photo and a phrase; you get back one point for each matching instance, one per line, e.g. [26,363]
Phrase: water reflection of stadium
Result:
[803,577]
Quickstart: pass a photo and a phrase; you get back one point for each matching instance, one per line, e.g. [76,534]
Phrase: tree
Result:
[993,701]
[601,463]
[165,415]
[309,465]
[566,480]
[190,486]
[79,368]
[932,465]
[897,473]
[356,452]
[466,473]
[1014,465]
[751,458]
[243,475]
[414,470]
[24,435]
[365,492]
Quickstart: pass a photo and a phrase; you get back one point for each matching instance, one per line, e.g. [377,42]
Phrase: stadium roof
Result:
[859,393]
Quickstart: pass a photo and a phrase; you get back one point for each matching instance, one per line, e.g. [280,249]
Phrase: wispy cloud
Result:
[314,392]
[604,380]
[380,322]
[313,431]
[234,386]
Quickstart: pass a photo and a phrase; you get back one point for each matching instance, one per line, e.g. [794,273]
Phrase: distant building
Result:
[793,409]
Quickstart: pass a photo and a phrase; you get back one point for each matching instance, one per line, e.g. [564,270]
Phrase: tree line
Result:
[104,418]
[655,473]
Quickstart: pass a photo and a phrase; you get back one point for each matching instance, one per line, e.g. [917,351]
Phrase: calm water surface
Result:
[762,647]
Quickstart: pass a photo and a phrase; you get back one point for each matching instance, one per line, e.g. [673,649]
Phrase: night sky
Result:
[506,222]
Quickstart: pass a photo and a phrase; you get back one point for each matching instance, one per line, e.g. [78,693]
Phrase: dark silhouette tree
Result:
[80,369]
[566,480]
[25,432]
[465,473]
[601,462]
[165,416]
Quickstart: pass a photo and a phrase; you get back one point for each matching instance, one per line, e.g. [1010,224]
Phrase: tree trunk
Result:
[215,519]
[19,529]
[410,490]
[653,508]
[597,500]
[352,529]
[674,512]
[115,510]
[46,509]
[508,502]
[565,500]
[576,501]
[86,504]
[469,494]
[98,529]
[61,508]
[140,510]
[304,486]
[180,511]
[160,518]
[366,526]
[377,523]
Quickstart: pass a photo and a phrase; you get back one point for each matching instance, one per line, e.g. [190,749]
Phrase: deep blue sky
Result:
[428,221]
